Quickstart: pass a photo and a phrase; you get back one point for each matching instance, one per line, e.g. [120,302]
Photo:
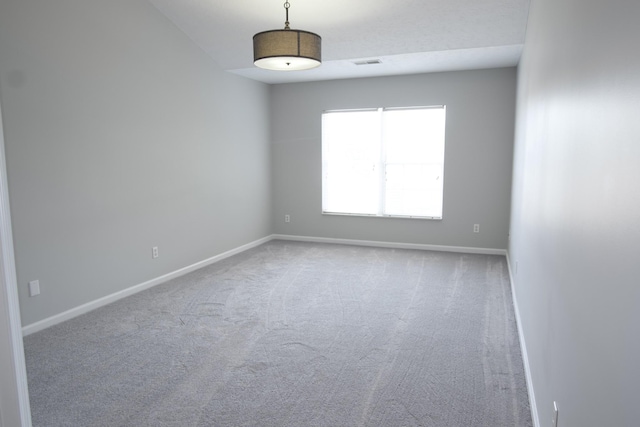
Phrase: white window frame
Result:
[382,165]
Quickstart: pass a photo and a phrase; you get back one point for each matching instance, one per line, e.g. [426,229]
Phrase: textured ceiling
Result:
[408,36]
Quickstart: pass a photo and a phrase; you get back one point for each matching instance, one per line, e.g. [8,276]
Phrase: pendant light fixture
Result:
[287,50]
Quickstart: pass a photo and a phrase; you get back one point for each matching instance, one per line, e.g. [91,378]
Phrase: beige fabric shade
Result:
[287,50]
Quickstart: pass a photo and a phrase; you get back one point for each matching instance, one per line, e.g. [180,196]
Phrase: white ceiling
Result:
[407,36]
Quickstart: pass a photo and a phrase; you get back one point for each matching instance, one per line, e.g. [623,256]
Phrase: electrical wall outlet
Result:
[287,218]
[555,415]
[154,252]
[476,228]
[34,288]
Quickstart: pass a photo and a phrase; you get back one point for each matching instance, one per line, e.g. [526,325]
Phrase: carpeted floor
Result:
[293,335]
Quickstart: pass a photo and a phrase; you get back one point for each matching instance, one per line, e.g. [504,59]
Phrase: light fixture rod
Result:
[286,22]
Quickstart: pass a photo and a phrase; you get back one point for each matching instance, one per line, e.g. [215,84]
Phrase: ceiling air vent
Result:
[368,62]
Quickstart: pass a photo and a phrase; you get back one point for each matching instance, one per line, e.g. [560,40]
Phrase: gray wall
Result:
[122,135]
[575,230]
[478,158]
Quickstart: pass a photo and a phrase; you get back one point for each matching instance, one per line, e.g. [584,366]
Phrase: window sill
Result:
[432,218]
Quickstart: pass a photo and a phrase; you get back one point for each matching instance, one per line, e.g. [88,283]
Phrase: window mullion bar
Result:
[382,174]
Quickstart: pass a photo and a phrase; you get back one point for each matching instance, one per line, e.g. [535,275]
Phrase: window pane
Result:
[414,190]
[414,153]
[351,162]
[414,134]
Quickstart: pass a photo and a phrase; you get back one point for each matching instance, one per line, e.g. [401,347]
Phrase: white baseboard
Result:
[85,308]
[395,245]
[523,349]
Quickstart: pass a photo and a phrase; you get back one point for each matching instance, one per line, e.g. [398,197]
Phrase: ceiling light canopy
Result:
[287,49]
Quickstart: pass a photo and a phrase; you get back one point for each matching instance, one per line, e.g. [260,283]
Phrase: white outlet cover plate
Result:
[34,288]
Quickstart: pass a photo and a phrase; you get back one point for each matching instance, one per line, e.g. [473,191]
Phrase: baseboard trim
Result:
[100,302]
[85,308]
[523,349]
[395,245]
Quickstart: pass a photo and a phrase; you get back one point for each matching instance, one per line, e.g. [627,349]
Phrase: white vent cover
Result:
[368,62]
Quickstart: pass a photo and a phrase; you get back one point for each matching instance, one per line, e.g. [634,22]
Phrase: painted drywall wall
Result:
[575,233]
[478,156]
[122,135]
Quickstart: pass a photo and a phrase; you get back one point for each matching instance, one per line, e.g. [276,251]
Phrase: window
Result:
[383,162]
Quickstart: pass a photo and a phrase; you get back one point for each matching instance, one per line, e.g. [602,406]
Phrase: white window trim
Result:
[382,170]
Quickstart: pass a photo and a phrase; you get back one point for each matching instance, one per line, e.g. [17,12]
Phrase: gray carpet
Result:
[294,334]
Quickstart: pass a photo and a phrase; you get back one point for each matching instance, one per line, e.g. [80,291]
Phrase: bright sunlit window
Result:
[383,162]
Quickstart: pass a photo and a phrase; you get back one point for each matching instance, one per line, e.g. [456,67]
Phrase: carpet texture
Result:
[294,334]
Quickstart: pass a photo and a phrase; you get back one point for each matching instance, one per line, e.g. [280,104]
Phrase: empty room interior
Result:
[174,252]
